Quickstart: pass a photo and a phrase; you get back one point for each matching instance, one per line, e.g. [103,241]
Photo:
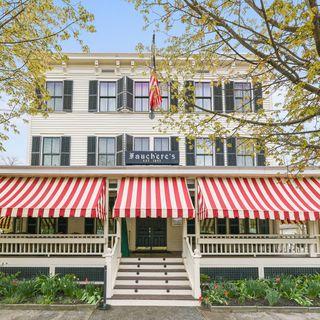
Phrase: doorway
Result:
[151,234]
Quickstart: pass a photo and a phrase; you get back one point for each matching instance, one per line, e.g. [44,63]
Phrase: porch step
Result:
[153,300]
[148,281]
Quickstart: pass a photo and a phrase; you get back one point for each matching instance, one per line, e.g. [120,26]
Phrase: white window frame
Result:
[99,98]
[135,96]
[62,98]
[204,97]
[243,81]
[238,140]
[42,148]
[115,150]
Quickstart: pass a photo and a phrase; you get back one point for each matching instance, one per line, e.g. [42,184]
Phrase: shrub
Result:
[272,296]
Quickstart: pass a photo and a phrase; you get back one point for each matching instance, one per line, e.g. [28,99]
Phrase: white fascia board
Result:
[163,171]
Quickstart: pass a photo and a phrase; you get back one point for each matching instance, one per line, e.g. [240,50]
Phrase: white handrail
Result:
[113,256]
[191,261]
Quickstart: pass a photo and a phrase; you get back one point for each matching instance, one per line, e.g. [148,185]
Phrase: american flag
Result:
[155,98]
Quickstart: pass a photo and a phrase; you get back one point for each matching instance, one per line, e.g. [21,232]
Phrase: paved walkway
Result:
[151,313]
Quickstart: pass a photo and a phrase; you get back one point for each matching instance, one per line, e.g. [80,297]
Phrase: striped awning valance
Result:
[263,198]
[52,197]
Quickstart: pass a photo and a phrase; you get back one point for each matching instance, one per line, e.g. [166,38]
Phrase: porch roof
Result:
[52,197]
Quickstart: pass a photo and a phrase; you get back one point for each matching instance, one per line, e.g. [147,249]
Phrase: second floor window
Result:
[106,151]
[242,96]
[164,91]
[141,96]
[161,144]
[203,95]
[55,90]
[107,96]
[141,144]
[51,151]
[245,153]
[204,152]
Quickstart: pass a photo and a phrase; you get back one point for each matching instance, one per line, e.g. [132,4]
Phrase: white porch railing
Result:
[258,245]
[192,264]
[113,256]
[71,245]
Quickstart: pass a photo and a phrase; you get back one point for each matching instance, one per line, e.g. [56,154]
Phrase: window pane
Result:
[102,160]
[58,104]
[50,88]
[165,104]
[198,89]
[145,104]
[252,226]
[110,145]
[102,145]
[161,144]
[58,89]
[46,145]
[206,90]
[56,160]
[200,160]
[208,161]
[55,145]
[103,104]
[47,160]
[110,160]
[112,89]
[141,144]
[111,104]
[103,89]
[207,226]
[50,103]
[145,88]
[164,89]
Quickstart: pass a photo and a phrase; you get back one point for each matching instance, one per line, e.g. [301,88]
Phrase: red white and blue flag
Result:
[155,98]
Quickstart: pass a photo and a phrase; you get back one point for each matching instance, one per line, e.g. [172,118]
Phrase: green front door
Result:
[151,234]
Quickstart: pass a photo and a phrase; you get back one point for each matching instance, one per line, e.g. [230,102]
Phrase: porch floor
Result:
[155,254]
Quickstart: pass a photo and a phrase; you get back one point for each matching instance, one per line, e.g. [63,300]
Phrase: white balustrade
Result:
[258,245]
[191,260]
[49,245]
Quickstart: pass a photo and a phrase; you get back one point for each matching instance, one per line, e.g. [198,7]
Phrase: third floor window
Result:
[141,96]
[107,96]
[245,153]
[55,90]
[242,96]
[203,95]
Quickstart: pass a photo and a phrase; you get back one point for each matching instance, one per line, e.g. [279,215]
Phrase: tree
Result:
[279,41]
[31,33]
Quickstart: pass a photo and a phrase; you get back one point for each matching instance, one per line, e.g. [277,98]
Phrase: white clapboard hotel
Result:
[104,187]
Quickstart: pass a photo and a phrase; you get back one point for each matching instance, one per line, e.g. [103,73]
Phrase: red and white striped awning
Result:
[263,198]
[53,197]
[153,197]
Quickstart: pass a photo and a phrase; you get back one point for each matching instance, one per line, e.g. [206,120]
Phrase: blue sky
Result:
[119,29]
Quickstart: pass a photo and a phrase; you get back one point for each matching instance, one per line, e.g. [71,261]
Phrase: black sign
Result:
[152,157]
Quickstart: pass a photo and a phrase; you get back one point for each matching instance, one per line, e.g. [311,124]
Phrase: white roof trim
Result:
[169,171]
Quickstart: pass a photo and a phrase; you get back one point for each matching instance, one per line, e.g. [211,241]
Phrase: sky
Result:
[119,29]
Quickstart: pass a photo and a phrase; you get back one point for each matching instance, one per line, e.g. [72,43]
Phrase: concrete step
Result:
[150,265]
[145,291]
[151,259]
[152,273]
[153,300]
[152,281]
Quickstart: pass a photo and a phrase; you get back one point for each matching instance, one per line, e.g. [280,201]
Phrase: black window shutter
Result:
[119,156]
[36,151]
[257,92]
[91,151]
[189,96]
[231,152]
[125,94]
[229,96]
[93,96]
[67,95]
[217,98]
[190,152]
[174,143]
[129,142]
[65,151]
[219,152]
[174,95]
[261,157]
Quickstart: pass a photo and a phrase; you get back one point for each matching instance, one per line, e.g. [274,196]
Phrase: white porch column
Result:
[108,261]
[184,234]
[196,274]
[106,224]
[197,221]
[312,231]
[119,227]
[276,227]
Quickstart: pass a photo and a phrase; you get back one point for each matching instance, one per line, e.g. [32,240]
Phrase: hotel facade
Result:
[105,187]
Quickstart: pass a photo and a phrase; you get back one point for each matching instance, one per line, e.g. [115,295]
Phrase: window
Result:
[51,151]
[55,90]
[242,96]
[48,225]
[208,226]
[141,144]
[203,95]
[161,144]
[164,91]
[62,225]
[245,153]
[107,96]
[142,96]
[106,151]
[204,152]
[32,225]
